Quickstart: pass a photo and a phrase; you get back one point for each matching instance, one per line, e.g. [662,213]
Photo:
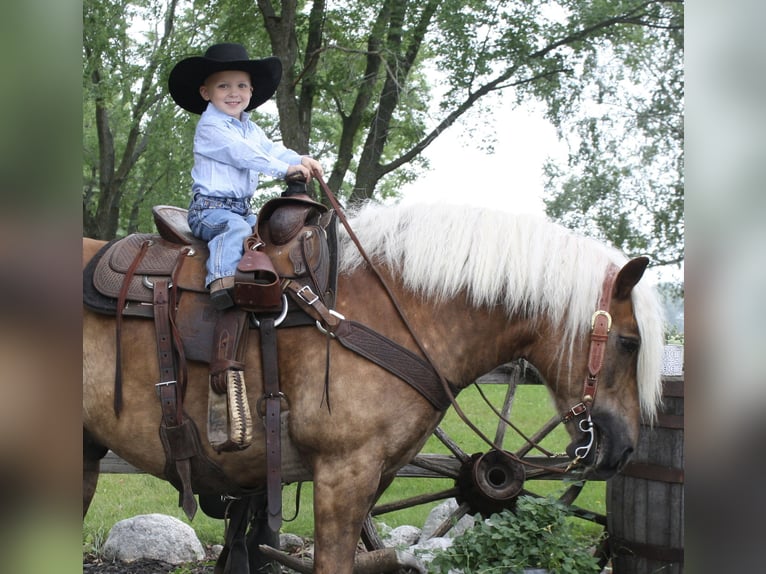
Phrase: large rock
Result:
[153,536]
[439,514]
[402,536]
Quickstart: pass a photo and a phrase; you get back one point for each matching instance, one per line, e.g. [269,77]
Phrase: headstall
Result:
[601,324]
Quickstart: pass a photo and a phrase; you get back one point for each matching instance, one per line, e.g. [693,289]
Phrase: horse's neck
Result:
[463,342]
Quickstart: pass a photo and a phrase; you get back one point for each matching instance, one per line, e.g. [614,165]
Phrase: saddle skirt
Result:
[162,260]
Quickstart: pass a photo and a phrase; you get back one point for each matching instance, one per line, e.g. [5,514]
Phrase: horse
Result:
[478,288]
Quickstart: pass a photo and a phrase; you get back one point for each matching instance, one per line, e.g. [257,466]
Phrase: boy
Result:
[230,151]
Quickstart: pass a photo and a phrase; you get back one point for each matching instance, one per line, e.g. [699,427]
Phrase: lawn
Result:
[121,496]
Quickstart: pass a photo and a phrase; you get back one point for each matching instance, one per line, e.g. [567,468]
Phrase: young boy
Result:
[230,151]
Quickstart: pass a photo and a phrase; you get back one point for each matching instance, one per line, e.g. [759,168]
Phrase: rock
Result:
[290,542]
[439,514]
[402,536]
[153,536]
[426,550]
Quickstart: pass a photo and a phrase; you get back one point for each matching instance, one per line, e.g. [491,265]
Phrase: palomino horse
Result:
[479,288]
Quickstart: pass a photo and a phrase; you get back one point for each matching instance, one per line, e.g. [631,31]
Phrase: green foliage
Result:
[359,97]
[537,535]
[674,337]
[622,117]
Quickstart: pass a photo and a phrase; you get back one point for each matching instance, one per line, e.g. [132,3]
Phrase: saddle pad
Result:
[158,263]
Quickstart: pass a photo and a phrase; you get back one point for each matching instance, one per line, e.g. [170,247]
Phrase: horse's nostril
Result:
[626,454]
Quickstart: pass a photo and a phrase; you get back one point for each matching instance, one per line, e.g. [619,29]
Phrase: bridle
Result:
[601,324]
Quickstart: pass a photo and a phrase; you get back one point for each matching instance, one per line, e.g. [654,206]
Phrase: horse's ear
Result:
[628,276]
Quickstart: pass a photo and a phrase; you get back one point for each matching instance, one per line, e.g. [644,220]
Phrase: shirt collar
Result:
[214,113]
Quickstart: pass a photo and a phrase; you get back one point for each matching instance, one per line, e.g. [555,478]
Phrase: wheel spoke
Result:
[502,426]
[414,501]
[451,445]
[544,431]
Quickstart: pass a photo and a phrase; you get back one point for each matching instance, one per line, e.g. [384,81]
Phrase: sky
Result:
[509,178]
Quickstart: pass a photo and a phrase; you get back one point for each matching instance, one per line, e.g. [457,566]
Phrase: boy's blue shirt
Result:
[229,155]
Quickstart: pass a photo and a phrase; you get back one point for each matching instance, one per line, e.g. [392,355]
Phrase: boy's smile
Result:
[229,91]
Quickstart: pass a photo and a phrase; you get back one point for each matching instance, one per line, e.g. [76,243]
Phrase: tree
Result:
[356,95]
[624,122]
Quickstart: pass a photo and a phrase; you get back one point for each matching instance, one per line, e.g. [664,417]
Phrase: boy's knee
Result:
[241,227]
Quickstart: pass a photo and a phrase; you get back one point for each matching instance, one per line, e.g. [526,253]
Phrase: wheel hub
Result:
[490,482]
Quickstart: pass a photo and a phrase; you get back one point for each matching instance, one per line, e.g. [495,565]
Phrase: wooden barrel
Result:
[645,501]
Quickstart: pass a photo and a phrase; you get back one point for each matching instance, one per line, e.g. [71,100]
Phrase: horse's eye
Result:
[629,344]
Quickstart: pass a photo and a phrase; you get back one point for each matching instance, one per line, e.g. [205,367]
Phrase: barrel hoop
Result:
[673,387]
[620,546]
[656,472]
[674,422]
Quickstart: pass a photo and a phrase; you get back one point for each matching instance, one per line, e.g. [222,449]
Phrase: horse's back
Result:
[89,248]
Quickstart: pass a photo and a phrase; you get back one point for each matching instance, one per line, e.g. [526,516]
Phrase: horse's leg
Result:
[370,537]
[92,453]
[344,490]
[261,533]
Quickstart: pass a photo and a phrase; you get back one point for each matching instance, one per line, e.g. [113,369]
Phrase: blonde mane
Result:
[522,263]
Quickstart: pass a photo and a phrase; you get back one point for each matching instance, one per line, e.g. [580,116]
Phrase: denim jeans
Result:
[224,223]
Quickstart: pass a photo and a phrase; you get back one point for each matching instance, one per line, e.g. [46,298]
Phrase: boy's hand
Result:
[294,170]
[313,166]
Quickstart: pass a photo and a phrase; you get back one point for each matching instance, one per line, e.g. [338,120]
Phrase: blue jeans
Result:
[224,223]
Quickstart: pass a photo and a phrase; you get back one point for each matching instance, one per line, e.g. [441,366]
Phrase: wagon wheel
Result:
[489,481]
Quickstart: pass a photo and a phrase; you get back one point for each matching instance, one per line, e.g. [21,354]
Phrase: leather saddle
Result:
[297,235]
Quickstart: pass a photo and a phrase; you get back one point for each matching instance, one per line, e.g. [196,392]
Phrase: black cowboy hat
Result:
[189,74]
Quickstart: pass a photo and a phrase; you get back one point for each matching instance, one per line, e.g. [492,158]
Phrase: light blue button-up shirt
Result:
[229,155]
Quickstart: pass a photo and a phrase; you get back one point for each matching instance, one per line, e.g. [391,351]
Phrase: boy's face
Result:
[229,91]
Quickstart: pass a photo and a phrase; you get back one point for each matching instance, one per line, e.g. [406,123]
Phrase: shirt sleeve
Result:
[225,143]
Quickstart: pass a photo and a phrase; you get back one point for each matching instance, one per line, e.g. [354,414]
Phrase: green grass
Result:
[121,496]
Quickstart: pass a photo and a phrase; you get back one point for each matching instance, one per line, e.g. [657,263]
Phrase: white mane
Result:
[521,263]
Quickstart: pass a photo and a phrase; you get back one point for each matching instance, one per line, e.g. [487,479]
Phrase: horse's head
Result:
[613,375]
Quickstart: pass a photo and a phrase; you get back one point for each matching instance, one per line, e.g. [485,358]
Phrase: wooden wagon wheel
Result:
[489,481]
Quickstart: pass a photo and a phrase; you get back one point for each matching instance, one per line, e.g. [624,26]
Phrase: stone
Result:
[402,536]
[290,542]
[426,550]
[439,514]
[155,537]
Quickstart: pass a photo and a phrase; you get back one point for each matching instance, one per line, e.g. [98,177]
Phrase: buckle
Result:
[575,411]
[312,296]
[605,314]
[159,386]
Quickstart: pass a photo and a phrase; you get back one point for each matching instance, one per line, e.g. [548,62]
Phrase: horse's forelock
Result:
[526,263]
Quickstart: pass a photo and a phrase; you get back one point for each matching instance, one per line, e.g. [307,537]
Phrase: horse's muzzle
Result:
[607,455]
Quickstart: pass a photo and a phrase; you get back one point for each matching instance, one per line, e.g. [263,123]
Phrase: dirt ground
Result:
[92,565]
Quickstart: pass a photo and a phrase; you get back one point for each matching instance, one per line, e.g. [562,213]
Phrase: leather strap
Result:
[118,324]
[311,303]
[601,324]
[168,386]
[402,362]
[171,399]
[272,397]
